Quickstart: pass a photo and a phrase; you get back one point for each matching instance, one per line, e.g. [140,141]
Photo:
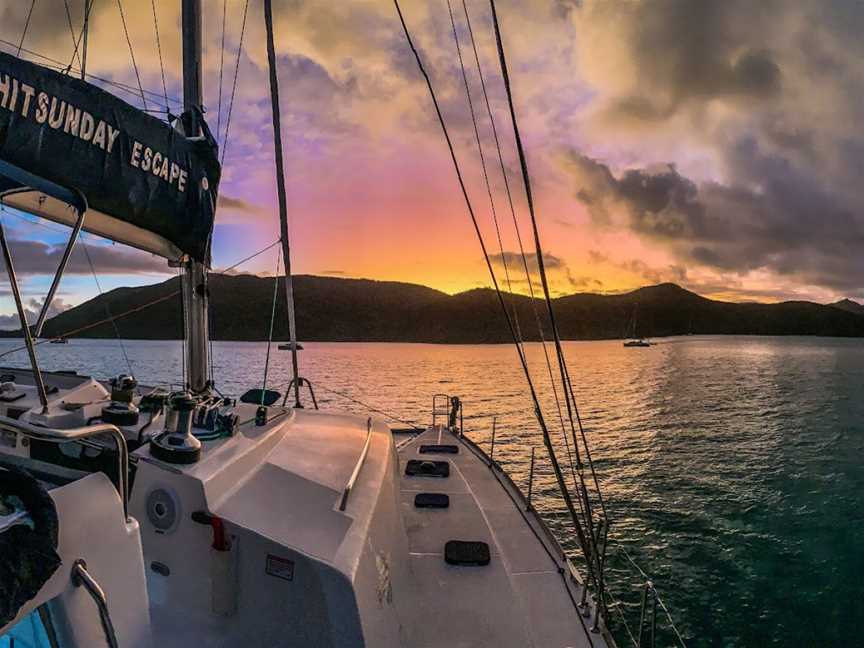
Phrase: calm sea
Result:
[732,467]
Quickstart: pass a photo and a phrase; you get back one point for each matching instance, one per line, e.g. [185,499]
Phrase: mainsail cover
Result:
[145,184]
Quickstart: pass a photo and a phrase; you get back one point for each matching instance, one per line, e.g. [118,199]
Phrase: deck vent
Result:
[439,449]
[424,468]
[432,500]
[466,553]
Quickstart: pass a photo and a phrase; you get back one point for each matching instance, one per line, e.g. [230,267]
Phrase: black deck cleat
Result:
[439,449]
[425,468]
[432,500]
[466,553]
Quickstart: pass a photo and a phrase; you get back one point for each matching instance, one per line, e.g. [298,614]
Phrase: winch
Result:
[176,443]
[121,411]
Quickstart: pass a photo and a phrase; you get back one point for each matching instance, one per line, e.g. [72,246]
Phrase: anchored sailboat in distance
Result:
[634,341]
[134,515]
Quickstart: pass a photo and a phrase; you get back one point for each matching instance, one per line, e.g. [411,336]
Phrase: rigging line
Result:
[26,27]
[234,84]
[131,52]
[648,578]
[547,441]
[92,325]
[210,316]
[59,65]
[568,395]
[494,213]
[595,560]
[251,256]
[272,323]
[483,166]
[63,67]
[509,194]
[523,163]
[107,307]
[589,461]
[221,69]
[88,5]
[183,330]
[136,309]
[357,401]
[495,216]
[72,32]
[617,605]
[85,33]
[576,480]
[159,50]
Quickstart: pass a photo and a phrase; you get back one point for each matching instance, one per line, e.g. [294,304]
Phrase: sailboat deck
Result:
[525,596]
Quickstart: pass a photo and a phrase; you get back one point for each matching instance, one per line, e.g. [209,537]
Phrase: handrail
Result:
[55,435]
[350,485]
[440,410]
[81,577]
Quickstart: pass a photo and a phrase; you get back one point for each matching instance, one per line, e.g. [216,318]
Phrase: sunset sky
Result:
[714,144]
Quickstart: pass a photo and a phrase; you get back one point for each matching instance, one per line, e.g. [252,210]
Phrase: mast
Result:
[283,207]
[194,282]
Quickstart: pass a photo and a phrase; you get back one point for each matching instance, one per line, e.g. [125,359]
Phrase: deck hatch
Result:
[466,553]
[432,500]
[439,449]
[426,468]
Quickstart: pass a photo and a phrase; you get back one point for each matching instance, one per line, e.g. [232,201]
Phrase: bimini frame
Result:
[77,202]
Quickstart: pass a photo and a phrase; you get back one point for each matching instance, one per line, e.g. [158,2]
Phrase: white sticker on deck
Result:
[280,567]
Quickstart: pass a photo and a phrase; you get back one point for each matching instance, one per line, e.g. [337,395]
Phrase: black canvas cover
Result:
[28,553]
[138,174]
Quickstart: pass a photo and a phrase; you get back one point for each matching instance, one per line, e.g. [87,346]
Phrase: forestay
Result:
[73,144]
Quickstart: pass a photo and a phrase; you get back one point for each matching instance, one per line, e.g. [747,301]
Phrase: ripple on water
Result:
[731,466]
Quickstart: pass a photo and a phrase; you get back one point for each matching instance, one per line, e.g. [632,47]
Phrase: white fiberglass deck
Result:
[524,597]
[303,560]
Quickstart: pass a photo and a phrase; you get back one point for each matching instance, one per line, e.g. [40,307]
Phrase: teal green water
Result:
[733,467]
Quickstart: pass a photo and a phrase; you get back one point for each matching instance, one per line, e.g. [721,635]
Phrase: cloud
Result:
[755,103]
[557,271]
[31,311]
[786,223]
[722,134]
[33,257]
[235,203]
[653,59]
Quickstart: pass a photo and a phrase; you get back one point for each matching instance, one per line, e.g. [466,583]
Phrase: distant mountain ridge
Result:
[849,306]
[363,310]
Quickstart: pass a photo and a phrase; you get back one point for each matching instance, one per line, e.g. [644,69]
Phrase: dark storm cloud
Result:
[557,270]
[785,223]
[770,93]
[514,260]
[679,51]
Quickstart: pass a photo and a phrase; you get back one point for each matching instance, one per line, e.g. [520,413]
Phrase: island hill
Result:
[336,309]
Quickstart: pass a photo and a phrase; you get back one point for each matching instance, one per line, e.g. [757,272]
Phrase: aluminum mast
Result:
[195,292]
